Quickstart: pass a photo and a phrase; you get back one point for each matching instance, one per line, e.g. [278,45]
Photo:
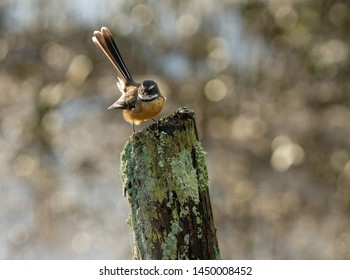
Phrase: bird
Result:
[139,101]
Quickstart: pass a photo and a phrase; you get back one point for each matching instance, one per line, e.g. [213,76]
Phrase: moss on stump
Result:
[165,178]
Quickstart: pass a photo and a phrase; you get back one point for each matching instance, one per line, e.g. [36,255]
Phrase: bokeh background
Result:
[269,81]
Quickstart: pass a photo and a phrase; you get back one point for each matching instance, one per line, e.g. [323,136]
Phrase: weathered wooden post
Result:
[166,181]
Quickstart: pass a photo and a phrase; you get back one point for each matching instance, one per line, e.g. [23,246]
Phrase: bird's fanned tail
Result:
[104,40]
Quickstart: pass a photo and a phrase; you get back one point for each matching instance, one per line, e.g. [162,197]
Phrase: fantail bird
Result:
[139,101]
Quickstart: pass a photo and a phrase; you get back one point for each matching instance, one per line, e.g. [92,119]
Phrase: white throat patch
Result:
[148,97]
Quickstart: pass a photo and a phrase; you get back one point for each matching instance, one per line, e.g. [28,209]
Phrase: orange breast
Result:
[144,110]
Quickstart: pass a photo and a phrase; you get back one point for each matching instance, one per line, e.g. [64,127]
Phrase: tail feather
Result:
[104,40]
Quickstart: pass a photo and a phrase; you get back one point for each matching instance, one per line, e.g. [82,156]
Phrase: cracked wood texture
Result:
[165,178]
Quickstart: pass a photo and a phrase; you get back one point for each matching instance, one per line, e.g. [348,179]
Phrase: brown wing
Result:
[127,100]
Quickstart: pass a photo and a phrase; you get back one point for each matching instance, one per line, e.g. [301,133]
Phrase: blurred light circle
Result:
[123,24]
[286,17]
[338,13]
[187,25]
[55,54]
[215,90]
[18,234]
[339,159]
[79,69]
[143,14]
[81,242]
[244,128]
[219,55]
[286,155]
[24,165]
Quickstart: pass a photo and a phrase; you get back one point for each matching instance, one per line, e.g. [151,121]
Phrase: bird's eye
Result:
[148,88]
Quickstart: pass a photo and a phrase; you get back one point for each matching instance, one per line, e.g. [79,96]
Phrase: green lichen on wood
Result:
[201,166]
[169,246]
[217,253]
[163,174]
[184,177]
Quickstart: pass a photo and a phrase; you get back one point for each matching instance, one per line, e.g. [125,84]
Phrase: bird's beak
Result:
[115,105]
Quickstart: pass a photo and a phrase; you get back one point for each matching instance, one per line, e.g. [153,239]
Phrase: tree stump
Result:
[165,178]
